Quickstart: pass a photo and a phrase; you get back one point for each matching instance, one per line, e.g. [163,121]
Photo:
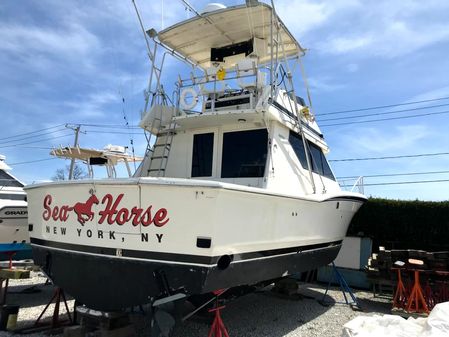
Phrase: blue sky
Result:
[73,62]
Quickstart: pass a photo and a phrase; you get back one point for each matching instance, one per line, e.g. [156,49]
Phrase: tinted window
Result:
[316,155]
[13,196]
[319,162]
[7,180]
[244,154]
[203,150]
[298,146]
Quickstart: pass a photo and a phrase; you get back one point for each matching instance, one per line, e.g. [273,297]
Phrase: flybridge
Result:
[241,79]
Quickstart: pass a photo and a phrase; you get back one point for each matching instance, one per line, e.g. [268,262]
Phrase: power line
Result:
[111,126]
[394,174]
[392,157]
[384,113]
[382,106]
[33,136]
[32,147]
[114,132]
[388,119]
[31,132]
[40,132]
[403,182]
[31,161]
[35,141]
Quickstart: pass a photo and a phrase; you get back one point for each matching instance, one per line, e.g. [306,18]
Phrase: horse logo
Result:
[84,209]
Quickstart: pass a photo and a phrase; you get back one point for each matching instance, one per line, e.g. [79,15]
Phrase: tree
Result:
[63,173]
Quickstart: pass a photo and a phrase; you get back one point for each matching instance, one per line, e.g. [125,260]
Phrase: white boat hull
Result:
[183,235]
[14,237]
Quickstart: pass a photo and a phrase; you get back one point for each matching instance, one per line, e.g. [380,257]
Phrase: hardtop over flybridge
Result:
[14,238]
[234,188]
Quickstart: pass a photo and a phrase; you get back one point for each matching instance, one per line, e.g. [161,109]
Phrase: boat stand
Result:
[57,296]
[10,256]
[218,328]
[354,304]
[5,276]
[55,323]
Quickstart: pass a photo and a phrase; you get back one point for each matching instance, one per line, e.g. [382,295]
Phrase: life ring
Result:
[184,94]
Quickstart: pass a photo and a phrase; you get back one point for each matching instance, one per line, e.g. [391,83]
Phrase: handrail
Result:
[202,79]
[359,185]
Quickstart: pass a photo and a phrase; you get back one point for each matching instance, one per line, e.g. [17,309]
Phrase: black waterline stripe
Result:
[347,198]
[197,259]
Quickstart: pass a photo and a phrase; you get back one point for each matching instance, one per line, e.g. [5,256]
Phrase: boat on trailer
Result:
[14,237]
[234,188]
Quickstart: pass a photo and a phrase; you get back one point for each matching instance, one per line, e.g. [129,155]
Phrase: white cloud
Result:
[401,138]
[432,94]
[324,83]
[32,40]
[338,45]
[310,15]
[93,105]
[385,28]
[352,67]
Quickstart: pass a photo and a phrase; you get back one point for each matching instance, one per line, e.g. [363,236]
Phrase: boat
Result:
[234,188]
[14,238]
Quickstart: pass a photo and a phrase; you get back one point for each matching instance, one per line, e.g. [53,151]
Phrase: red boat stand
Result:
[416,302]
[57,296]
[218,328]
[10,256]
[4,290]
[401,294]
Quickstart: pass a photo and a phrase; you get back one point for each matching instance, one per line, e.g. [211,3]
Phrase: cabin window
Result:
[244,154]
[298,146]
[8,181]
[317,157]
[13,196]
[203,150]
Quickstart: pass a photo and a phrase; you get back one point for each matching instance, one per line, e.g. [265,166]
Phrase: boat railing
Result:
[199,94]
[357,186]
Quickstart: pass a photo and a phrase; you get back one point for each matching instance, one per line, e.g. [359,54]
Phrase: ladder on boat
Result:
[160,150]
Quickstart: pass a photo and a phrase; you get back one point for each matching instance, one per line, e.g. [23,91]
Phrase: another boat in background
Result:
[14,237]
[109,157]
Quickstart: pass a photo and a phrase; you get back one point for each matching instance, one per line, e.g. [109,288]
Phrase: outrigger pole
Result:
[274,20]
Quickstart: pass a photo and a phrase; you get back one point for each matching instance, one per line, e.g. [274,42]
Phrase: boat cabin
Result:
[234,116]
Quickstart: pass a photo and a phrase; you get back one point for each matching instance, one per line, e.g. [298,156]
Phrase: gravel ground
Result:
[259,314]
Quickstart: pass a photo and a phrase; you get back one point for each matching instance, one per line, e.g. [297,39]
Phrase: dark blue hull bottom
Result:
[110,283]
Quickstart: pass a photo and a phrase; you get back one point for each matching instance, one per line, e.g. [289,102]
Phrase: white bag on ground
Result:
[436,325]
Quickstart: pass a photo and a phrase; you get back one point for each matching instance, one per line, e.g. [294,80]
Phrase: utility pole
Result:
[72,163]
